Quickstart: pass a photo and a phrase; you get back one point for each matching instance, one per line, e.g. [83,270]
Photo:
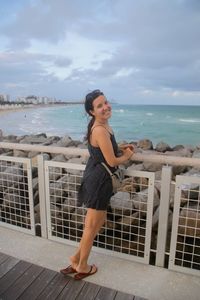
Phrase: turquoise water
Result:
[172,124]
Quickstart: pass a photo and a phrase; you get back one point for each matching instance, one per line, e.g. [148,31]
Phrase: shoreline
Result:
[32,106]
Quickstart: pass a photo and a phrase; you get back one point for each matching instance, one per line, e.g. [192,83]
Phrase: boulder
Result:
[59,157]
[10,139]
[11,175]
[162,147]
[178,147]
[145,144]
[196,154]
[66,141]
[140,200]
[152,166]
[121,203]
[20,153]
[189,222]
[33,139]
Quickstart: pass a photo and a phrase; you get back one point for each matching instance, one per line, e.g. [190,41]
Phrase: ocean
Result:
[171,124]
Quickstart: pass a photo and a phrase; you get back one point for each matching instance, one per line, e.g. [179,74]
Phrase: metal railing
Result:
[16,194]
[129,231]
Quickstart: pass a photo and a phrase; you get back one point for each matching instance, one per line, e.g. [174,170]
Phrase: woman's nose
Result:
[107,105]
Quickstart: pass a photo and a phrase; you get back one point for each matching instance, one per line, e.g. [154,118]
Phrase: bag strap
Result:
[108,170]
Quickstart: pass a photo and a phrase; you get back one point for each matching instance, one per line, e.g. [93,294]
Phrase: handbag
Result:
[116,177]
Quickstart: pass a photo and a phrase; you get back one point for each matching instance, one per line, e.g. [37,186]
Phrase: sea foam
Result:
[190,120]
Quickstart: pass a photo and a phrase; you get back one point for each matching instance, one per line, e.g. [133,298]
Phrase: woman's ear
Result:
[91,113]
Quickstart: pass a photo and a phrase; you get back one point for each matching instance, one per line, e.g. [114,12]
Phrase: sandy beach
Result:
[6,111]
[25,107]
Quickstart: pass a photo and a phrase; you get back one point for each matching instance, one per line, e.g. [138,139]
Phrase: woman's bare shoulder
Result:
[100,129]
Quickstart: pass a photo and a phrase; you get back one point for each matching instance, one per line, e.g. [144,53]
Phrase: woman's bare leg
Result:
[93,223]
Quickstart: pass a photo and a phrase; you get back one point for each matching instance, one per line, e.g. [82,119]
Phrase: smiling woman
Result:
[96,187]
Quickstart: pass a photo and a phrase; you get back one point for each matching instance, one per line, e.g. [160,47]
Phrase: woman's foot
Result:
[68,270]
[91,270]
[71,268]
[74,262]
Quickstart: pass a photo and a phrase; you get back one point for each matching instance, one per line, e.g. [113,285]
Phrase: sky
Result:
[137,52]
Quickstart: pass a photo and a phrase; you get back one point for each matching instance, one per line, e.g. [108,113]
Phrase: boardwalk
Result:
[23,280]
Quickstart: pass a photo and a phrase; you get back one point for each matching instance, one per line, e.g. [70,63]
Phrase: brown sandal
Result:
[68,270]
[80,276]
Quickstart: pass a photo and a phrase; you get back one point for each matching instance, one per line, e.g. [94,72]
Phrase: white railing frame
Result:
[165,160]
[28,164]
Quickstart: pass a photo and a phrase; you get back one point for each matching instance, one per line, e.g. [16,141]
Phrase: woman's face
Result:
[101,108]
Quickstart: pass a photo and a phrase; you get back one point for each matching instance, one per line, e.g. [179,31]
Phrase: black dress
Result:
[96,187]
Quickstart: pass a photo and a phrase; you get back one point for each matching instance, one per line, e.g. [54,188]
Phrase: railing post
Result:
[163,215]
[42,196]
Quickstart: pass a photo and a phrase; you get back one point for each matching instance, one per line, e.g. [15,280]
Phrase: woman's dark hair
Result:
[89,107]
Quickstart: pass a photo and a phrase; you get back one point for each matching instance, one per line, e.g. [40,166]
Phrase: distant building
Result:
[4,98]
[32,99]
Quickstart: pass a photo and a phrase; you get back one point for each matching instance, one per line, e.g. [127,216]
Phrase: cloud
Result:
[125,47]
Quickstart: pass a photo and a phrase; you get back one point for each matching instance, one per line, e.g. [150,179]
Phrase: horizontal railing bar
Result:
[46,149]
[162,159]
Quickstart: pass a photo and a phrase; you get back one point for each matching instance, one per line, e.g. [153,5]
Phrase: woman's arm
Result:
[101,137]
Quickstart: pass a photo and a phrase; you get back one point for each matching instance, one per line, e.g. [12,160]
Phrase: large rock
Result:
[136,167]
[11,175]
[196,154]
[178,147]
[189,222]
[152,166]
[162,147]
[66,141]
[20,153]
[126,222]
[51,139]
[73,171]
[34,139]
[140,200]
[10,138]
[59,157]
[54,173]
[121,203]
[145,144]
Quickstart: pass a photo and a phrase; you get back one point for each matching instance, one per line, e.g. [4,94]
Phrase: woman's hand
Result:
[127,152]
[125,146]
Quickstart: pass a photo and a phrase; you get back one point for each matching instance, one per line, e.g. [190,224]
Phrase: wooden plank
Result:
[8,264]
[22,280]
[3,257]
[106,294]
[124,296]
[140,298]
[22,283]
[71,290]
[10,277]
[88,292]
[54,287]
[38,285]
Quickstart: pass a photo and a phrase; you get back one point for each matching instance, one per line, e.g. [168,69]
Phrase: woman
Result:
[96,188]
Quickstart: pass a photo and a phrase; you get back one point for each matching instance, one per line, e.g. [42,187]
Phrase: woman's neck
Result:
[100,122]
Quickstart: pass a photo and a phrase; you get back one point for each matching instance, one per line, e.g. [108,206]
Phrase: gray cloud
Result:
[156,42]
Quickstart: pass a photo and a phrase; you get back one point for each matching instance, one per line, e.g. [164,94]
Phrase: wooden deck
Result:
[23,280]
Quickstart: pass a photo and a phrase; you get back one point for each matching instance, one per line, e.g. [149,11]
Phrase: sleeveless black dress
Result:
[96,186]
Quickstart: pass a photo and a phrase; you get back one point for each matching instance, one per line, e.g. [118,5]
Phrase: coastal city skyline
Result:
[137,52]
